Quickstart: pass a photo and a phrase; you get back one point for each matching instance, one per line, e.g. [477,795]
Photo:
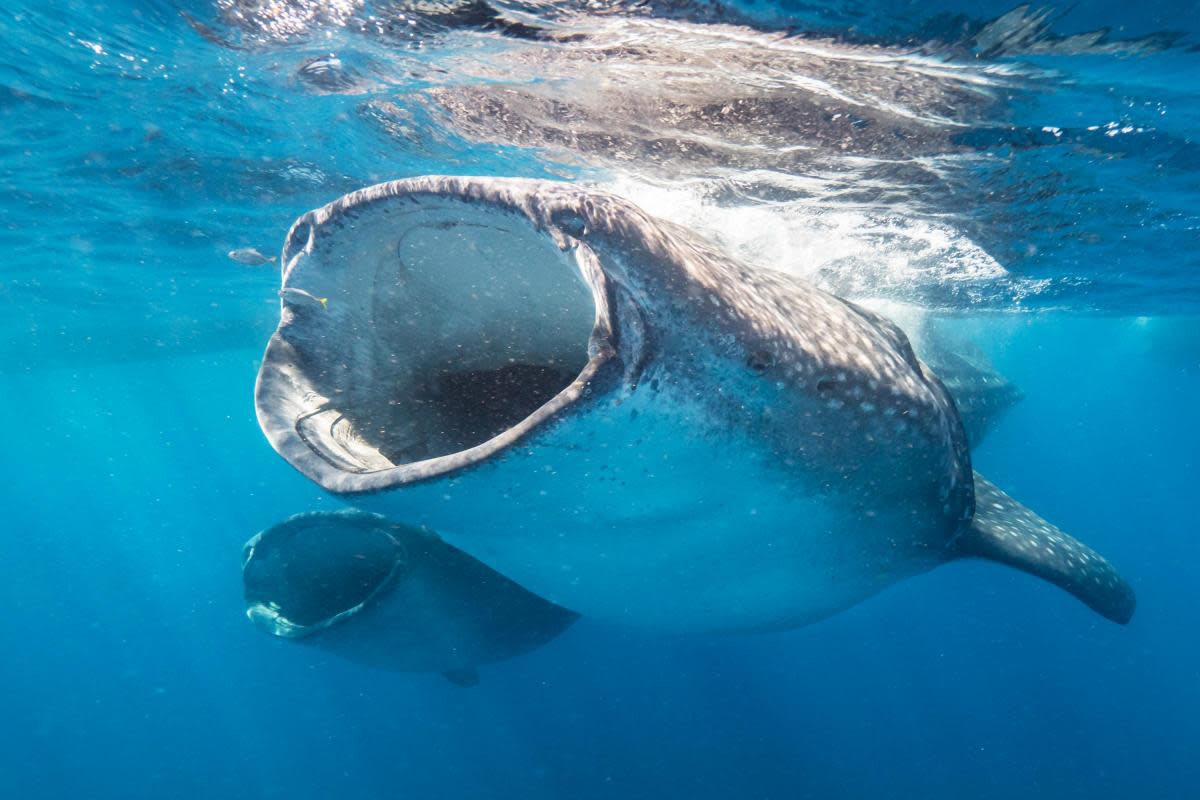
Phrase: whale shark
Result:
[389,596]
[615,414]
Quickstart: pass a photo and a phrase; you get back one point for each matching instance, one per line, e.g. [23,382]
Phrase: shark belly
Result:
[635,516]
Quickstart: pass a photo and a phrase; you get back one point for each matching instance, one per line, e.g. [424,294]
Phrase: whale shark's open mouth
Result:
[474,324]
[421,334]
[314,570]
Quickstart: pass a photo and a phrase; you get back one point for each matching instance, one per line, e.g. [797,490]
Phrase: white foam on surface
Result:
[853,250]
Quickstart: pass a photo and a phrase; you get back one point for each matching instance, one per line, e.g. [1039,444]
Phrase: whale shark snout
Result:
[671,437]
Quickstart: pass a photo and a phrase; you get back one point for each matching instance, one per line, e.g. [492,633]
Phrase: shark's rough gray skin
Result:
[390,596]
[669,437]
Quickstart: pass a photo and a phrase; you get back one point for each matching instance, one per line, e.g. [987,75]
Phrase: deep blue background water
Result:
[130,671]
[133,471]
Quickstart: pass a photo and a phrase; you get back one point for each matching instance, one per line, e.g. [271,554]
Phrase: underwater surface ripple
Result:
[1026,178]
[1061,174]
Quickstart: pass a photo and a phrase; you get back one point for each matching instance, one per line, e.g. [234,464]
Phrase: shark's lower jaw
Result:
[429,338]
[315,571]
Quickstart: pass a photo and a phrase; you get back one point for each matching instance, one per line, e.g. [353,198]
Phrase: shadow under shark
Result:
[390,596]
[671,438]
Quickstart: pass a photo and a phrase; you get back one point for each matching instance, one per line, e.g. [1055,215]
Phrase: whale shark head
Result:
[316,570]
[450,329]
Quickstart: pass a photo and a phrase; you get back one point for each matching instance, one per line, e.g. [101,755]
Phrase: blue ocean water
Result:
[1045,206]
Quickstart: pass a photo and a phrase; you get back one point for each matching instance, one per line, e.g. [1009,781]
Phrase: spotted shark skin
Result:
[1007,532]
[739,451]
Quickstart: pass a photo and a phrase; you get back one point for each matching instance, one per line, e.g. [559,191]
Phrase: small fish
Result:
[250,257]
[291,290]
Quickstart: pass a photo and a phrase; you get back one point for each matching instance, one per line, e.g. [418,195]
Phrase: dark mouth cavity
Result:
[475,322]
[472,406]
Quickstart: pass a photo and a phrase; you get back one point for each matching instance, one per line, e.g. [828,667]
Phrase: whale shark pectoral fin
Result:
[1003,530]
[468,676]
[981,394]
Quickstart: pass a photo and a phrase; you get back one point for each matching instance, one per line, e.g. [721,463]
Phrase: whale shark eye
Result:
[571,223]
[760,361]
[298,239]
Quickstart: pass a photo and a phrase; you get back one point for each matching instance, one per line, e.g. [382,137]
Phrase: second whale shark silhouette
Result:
[670,438]
[390,596]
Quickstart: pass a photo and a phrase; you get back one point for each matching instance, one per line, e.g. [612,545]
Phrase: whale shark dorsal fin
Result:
[467,676]
[1003,530]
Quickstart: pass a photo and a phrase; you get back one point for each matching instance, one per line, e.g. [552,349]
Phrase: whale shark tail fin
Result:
[1005,531]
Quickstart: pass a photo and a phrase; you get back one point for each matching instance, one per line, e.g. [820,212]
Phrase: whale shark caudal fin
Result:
[1003,530]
